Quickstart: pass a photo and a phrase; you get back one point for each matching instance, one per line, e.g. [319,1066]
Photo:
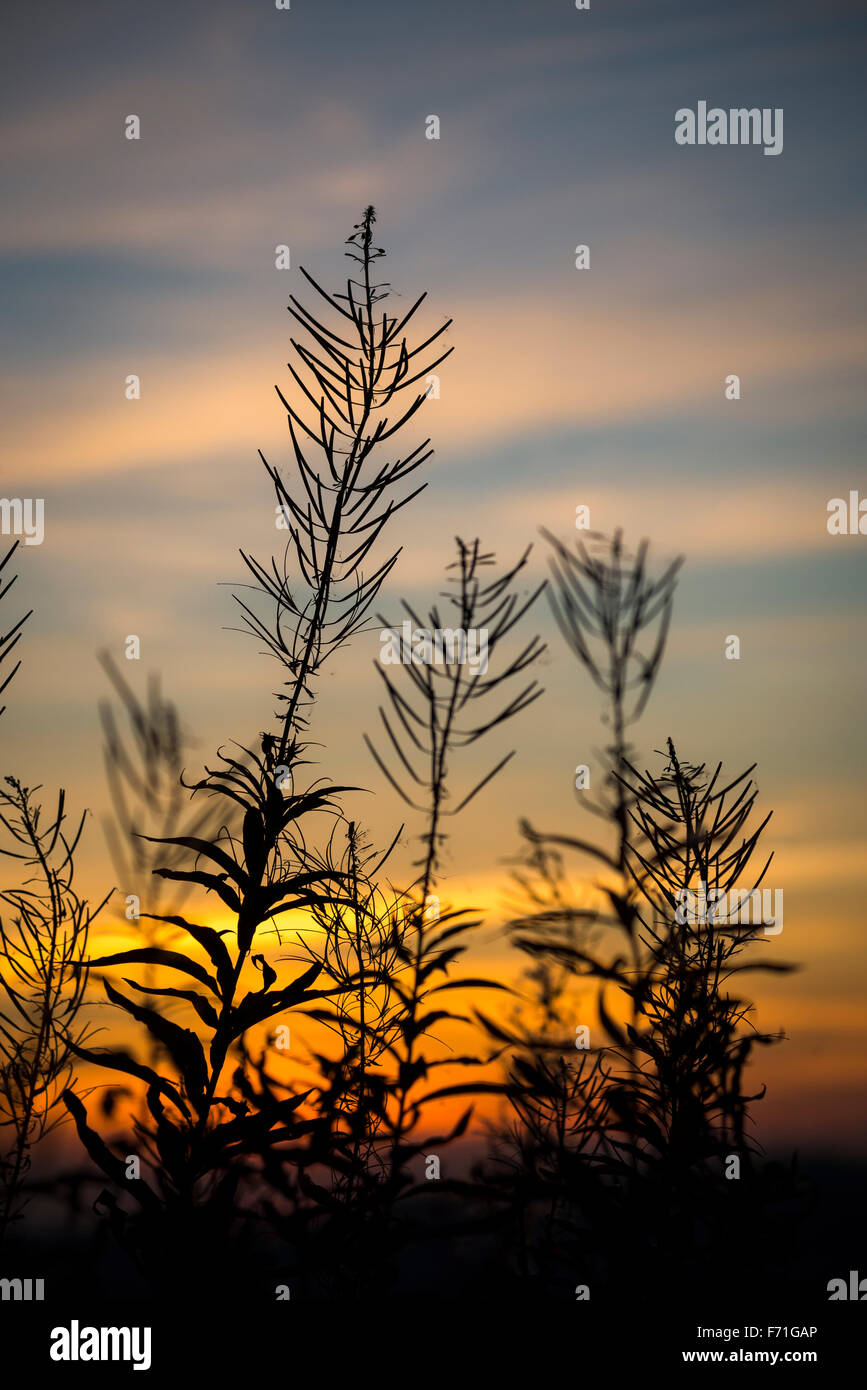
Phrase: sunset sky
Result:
[602,387]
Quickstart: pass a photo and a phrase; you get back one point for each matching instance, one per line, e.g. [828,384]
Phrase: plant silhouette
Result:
[621,1060]
[44,925]
[626,1150]
[198,1126]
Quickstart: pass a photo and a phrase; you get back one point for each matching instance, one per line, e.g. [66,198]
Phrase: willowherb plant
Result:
[43,938]
[350,371]
[325,1196]
[614,614]
[684,1087]
[144,752]
[144,748]
[44,927]
[392,952]
[436,711]
[441,708]
[676,1074]
[358,950]
[620,1151]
